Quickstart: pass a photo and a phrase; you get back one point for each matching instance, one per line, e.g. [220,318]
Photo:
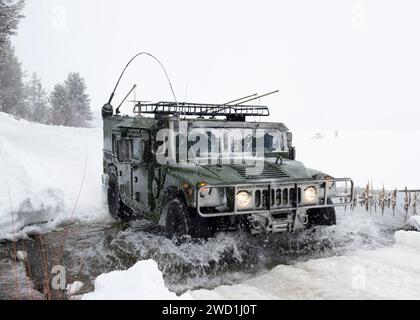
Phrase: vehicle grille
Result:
[279,198]
[252,173]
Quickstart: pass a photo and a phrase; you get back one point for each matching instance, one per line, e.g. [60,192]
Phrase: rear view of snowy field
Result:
[43,168]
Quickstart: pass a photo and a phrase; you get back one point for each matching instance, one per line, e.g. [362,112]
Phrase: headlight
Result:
[311,194]
[243,199]
[329,180]
[204,191]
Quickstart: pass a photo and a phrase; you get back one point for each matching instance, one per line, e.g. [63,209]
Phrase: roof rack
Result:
[238,112]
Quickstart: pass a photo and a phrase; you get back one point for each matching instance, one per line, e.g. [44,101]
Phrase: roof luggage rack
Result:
[232,113]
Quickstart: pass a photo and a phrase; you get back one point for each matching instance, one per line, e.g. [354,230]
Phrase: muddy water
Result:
[87,251]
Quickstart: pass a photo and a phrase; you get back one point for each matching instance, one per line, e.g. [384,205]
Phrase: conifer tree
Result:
[36,100]
[11,85]
[70,104]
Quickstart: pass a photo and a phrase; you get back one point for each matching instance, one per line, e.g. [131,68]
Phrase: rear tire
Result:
[181,220]
[117,208]
[322,217]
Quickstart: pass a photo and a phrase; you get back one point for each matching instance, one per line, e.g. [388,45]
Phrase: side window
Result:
[268,142]
[124,150]
[138,149]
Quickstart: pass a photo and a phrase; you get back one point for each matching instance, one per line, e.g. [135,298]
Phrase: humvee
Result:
[196,169]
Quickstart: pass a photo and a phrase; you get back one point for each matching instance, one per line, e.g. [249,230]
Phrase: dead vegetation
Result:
[402,203]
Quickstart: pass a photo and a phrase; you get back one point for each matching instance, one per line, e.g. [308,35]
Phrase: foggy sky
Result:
[338,64]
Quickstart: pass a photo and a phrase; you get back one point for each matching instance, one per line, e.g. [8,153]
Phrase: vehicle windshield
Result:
[235,142]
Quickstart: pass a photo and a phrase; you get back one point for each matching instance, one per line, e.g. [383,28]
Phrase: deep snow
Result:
[42,170]
[143,281]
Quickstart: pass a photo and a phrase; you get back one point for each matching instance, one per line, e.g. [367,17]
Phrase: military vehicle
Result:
[198,168]
[156,166]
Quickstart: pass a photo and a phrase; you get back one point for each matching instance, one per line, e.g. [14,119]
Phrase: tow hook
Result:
[303,218]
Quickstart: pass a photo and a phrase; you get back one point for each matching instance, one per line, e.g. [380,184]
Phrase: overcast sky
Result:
[338,64]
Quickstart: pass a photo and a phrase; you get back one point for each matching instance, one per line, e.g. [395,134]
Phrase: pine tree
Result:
[11,85]
[36,100]
[79,101]
[58,105]
[10,14]
[70,104]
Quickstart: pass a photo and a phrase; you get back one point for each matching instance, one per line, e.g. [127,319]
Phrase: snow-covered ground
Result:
[388,158]
[42,170]
[388,273]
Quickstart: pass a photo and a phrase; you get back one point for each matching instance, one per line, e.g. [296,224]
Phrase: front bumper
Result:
[278,197]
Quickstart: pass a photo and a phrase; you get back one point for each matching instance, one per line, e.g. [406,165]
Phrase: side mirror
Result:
[107,111]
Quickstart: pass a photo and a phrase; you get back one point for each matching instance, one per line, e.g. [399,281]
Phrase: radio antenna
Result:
[132,59]
[238,100]
[256,98]
[117,111]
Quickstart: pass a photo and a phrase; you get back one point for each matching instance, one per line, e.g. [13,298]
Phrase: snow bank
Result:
[388,273]
[414,221]
[143,281]
[74,288]
[42,170]
[408,239]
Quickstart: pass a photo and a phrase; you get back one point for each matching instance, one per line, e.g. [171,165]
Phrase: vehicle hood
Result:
[264,170]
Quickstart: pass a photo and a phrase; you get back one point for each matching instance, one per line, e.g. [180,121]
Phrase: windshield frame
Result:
[219,133]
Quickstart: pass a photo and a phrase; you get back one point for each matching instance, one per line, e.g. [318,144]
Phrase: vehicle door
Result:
[139,170]
[123,148]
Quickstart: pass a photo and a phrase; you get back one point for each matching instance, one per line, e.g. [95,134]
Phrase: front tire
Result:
[181,220]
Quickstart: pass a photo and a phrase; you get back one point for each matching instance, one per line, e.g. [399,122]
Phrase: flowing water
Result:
[87,251]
